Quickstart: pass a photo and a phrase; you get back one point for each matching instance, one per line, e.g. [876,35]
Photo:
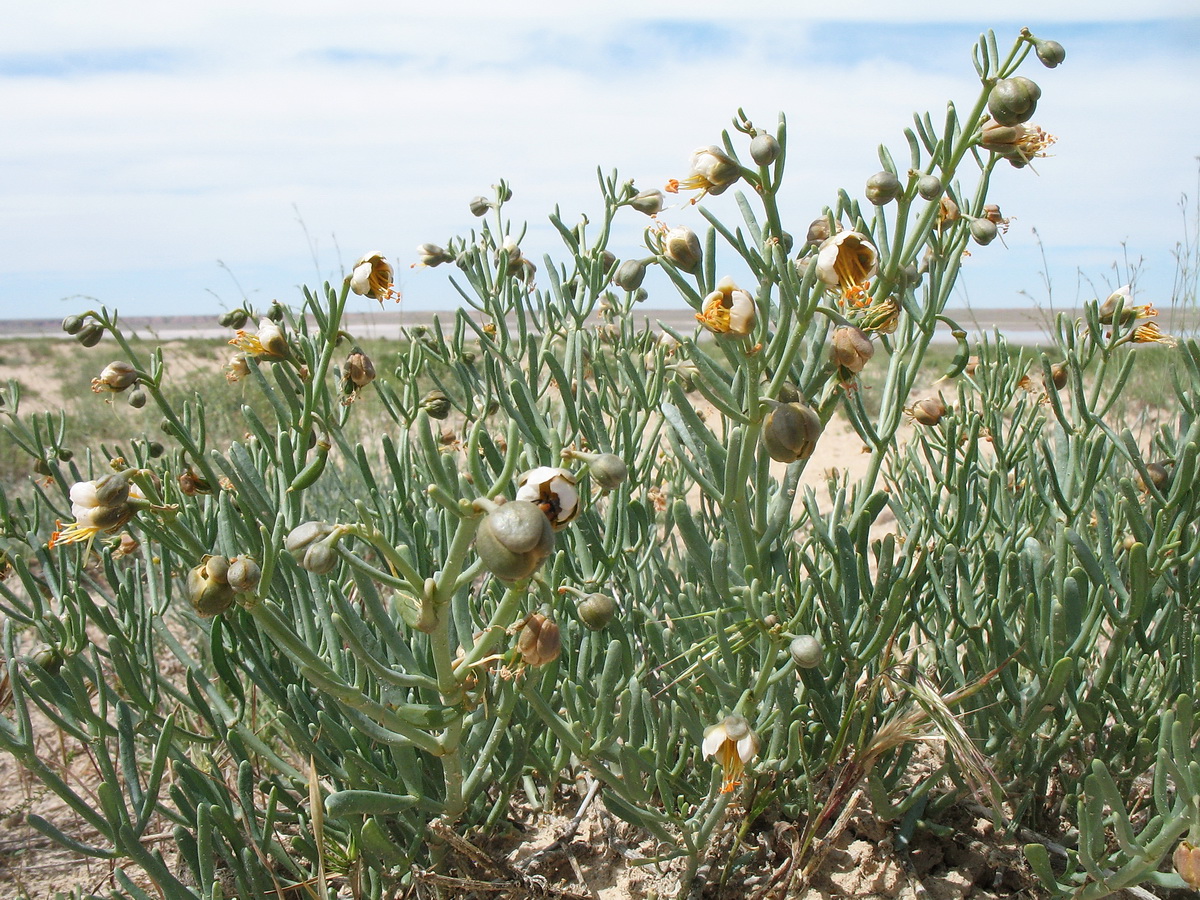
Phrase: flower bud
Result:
[1051,53]
[818,231]
[320,559]
[217,568]
[304,535]
[112,489]
[790,431]
[1187,864]
[155,449]
[1013,100]
[436,405]
[927,411]
[72,324]
[983,231]
[431,255]
[244,574]
[648,202]
[629,275]
[883,187]
[929,187]
[137,398]
[207,595]
[764,149]
[89,335]
[806,651]
[540,641]
[115,377]
[479,206]
[850,348]
[234,318]
[514,540]
[596,611]
[608,470]
[682,247]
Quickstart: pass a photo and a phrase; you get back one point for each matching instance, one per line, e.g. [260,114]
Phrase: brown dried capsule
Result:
[850,348]
[927,411]
[540,641]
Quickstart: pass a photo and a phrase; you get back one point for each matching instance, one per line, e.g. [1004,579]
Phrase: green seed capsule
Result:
[137,398]
[436,405]
[514,540]
[790,431]
[235,318]
[72,324]
[1013,100]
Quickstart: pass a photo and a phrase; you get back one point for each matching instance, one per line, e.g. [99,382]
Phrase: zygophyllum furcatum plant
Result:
[419,583]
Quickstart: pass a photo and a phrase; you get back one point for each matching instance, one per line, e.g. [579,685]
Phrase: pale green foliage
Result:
[1030,610]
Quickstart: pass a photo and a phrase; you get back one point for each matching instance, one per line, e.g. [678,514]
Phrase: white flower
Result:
[100,505]
[733,744]
[372,277]
[713,170]
[553,491]
[728,310]
[267,341]
[847,260]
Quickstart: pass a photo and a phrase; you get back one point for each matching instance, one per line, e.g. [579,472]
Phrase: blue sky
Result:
[284,140]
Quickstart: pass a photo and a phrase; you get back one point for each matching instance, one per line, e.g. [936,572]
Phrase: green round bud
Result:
[764,149]
[155,449]
[72,324]
[596,611]
[305,534]
[319,559]
[929,187]
[1051,53]
[790,431]
[112,490]
[217,568]
[275,312]
[608,470]
[479,206]
[89,335]
[436,404]
[514,540]
[234,318]
[1013,100]
[806,651]
[65,454]
[983,231]
[648,203]
[137,398]
[883,187]
[244,574]
[629,275]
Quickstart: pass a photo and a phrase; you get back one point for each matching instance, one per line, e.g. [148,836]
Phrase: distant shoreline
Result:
[1022,325]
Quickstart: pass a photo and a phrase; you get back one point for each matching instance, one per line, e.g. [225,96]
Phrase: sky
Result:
[175,163]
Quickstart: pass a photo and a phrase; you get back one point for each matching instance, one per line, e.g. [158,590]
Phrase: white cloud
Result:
[155,147]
